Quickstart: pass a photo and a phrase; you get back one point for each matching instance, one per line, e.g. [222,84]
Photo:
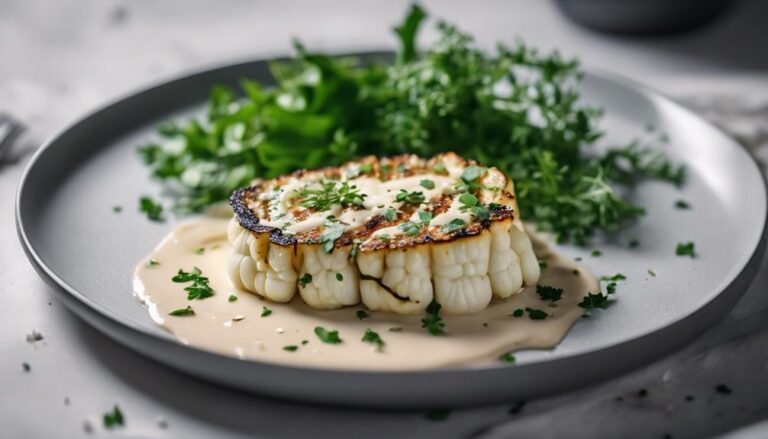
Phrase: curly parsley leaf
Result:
[433,322]
[326,336]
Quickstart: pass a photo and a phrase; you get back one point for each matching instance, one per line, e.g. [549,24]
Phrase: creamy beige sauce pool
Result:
[237,328]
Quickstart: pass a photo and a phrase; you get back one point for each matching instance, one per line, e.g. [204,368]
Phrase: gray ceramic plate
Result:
[87,252]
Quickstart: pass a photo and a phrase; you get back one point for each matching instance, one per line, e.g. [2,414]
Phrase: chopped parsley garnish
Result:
[303,342]
[390,214]
[616,277]
[326,336]
[265,311]
[305,280]
[332,231]
[26,367]
[152,209]
[433,322]
[117,209]
[651,272]
[686,249]
[470,203]
[596,253]
[181,312]
[549,293]
[231,298]
[395,329]
[427,184]
[410,228]
[543,265]
[682,204]
[200,288]
[362,314]
[575,272]
[152,263]
[200,250]
[610,288]
[290,348]
[536,314]
[594,301]
[508,358]
[455,224]
[424,217]
[372,337]
[339,277]
[518,312]
[439,168]
[414,197]
[114,418]
[329,194]
[634,243]
[472,173]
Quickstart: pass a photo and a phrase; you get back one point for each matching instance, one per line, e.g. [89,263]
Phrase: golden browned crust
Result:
[250,210]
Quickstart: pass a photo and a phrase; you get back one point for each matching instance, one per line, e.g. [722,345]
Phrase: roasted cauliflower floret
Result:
[394,233]
[332,280]
[396,280]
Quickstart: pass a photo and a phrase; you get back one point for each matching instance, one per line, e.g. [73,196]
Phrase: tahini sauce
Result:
[237,328]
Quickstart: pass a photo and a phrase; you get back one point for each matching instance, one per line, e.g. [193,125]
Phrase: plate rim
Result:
[62,287]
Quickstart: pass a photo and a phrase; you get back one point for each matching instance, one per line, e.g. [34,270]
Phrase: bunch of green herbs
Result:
[516,109]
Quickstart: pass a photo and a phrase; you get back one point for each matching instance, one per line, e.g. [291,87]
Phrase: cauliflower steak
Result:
[393,233]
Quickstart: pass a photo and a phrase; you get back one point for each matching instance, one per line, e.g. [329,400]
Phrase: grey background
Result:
[61,59]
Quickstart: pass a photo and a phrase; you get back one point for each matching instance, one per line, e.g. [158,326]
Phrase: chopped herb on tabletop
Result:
[290,348]
[361,314]
[326,336]
[518,312]
[634,243]
[543,265]
[153,263]
[686,249]
[200,250]
[117,209]
[596,253]
[34,337]
[615,278]
[265,311]
[152,209]
[339,277]
[651,272]
[26,367]
[231,298]
[682,204]
[114,418]
[433,322]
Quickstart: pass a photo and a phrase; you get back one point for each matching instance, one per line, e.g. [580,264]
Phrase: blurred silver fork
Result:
[10,129]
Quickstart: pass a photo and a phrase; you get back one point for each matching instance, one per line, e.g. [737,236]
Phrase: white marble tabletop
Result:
[59,59]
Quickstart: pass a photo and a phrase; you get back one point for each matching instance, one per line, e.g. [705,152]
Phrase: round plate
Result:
[87,252]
